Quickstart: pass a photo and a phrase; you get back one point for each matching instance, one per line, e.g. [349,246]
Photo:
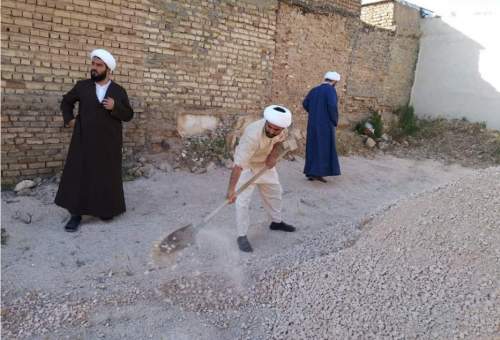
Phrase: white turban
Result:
[105,56]
[332,76]
[278,115]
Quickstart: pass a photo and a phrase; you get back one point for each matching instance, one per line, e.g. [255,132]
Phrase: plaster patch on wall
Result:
[190,125]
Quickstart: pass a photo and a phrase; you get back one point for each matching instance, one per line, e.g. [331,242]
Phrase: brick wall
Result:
[45,46]
[376,64]
[174,58]
[308,45]
[342,7]
[407,20]
[183,58]
[369,66]
[206,59]
[380,14]
[402,49]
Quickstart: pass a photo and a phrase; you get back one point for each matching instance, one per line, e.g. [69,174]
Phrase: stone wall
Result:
[187,65]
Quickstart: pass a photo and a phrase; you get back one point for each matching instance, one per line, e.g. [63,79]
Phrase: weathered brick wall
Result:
[392,14]
[403,51]
[342,7]
[376,64]
[389,52]
[206,60]
[399,77]
[407,19]
[181,60]
[45,46]
[380,14]
[307,45]
[174,58]
[369,66]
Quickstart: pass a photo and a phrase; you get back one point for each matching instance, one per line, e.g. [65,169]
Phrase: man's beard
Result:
[270,135]
[97,76]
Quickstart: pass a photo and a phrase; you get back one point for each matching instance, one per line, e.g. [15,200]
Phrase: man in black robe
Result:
[91,183]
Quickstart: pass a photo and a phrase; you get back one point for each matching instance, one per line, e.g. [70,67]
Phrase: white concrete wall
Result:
[458,68]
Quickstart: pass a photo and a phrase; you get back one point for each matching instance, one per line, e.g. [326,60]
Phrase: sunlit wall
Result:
[458,70]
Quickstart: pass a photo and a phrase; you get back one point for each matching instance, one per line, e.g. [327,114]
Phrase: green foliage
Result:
[127,176]
[210,146]
[376,121]
[8,186]
[5,236]
[496,149]
[407,120]
[360,126]
[378,124]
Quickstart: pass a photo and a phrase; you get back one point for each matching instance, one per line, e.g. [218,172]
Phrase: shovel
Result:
[184,237]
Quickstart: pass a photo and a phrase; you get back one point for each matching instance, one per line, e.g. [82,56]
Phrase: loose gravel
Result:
[389,249]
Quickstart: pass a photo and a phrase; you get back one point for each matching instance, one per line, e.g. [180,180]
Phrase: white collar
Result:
[105,85]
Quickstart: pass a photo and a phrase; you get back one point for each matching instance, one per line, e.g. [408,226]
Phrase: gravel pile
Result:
[428,267]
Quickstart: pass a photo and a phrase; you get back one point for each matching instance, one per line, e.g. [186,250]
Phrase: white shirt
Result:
[255,146]
[100,90]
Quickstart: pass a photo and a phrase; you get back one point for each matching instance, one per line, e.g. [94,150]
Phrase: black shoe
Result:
[106,219]
[73,223]
[243,244]
[317,178]
[282,226]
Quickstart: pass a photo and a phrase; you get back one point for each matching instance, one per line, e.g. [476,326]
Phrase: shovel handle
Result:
[239,191]
[257,175]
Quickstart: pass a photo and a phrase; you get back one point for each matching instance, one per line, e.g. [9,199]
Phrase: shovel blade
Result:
[177,240]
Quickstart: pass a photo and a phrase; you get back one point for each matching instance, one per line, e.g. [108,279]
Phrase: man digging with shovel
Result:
[259,147]
[263,143]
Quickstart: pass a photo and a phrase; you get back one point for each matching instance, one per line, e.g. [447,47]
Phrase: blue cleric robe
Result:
[321,153]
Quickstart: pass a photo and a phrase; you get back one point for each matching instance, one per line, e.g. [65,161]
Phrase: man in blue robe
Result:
[321,153]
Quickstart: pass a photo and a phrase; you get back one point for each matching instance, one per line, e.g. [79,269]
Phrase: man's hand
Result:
[109,103]
[231,196]
[271,160]
[71,123]
[233,180]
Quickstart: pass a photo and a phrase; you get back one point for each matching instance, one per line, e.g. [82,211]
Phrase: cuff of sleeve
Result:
[116,110]
[240,164]
[66,121]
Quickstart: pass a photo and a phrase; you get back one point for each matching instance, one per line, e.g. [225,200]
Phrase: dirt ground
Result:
[102,283]
[447,141]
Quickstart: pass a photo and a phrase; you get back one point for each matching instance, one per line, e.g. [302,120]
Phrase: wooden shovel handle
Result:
[239,191]
[257,175]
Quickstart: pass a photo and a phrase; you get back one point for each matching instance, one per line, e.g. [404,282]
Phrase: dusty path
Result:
[101,282]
